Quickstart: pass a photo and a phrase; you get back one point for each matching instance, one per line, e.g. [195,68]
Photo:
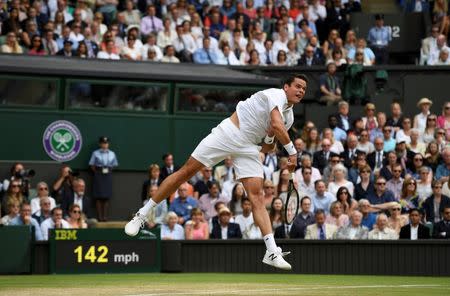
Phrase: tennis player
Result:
[258,120]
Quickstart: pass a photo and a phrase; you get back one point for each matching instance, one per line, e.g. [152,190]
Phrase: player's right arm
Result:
[280,132]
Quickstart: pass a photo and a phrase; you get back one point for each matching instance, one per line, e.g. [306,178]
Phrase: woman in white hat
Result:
[420,120]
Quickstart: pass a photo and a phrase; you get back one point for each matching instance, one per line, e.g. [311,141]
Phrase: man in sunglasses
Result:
[381,198]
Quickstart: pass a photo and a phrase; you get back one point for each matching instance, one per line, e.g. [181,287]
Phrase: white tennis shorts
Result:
[227,140]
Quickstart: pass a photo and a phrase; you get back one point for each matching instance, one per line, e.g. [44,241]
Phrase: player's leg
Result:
[274,255]
[167,187]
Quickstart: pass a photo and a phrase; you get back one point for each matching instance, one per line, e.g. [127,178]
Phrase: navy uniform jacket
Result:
[234,231]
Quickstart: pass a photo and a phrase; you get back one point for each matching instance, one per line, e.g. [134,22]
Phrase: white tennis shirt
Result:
[254,113]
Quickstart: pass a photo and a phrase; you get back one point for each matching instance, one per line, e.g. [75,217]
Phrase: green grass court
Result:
[220,284]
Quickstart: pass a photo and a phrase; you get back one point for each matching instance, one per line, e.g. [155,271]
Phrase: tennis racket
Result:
[292,202]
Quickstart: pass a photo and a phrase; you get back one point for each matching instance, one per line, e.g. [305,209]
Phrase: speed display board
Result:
[103,251]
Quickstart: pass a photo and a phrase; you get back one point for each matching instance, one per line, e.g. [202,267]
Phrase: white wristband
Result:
[290,148]
[269,140]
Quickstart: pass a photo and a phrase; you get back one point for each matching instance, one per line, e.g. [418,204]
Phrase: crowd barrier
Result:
[419,258]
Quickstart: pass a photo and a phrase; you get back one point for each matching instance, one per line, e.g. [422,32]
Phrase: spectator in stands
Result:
[443,170]
[303,219]
[330,90]
[246,223]
[76,218]
[36,47]
[131,51]
[381,198]
[396,220]
[206,201]
[13,193]
[283,184]
[364,144]
[276,213]
[424,183]
[224,172]
[55,221]
[306,162]
[49,43]
[361,54]
[153,180]
[45,210]
[312,141]
[102,162]
[308,58]
[169,55]
[370,120]
[25,218]
[420,120]
[63,186]
[169,167]
[11,213]
[320,158]
[354,230]
[322,199]
[11,45]
[379,131]
[67,49]
[225,229]
[238,193]
[196,228]
[320,230]
[337,216]
[305,183]
[395,184]
[201,186]
[183,204]
[434,205]
[365,187]
[388,168]
[269,193]
[428,134]
[440,16]
[369,218]
[405,131]
[443,120]
[42,191]
[338,175]
[171,230]
[441,229]
[382,231]
[414,230]
[379,38]
[347,202]
[416,145]
[157,214]
[327,172]
[151,23]
[108,53]
[151,46]
[434,160]
[78,196]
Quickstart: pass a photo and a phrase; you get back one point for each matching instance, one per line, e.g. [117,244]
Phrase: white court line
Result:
[211,292]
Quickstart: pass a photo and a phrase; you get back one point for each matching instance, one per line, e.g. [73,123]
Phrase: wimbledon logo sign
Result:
[62,140]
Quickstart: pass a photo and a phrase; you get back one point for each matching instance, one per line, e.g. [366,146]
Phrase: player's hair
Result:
[291,78]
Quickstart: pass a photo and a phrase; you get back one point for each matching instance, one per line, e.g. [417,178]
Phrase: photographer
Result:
[63,187]
[19,173]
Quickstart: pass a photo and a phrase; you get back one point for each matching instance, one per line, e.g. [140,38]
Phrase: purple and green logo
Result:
[62,140]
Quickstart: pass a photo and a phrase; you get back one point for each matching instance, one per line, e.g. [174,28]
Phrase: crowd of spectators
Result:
[63,205]
[225,32]
[380,176]
[376,176]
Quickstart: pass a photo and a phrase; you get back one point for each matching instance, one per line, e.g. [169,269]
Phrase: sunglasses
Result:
[344,192]
[15,186]
[441,133]
[381,184]
[396,209]
[412,183]
[76,212]
[431,119]
[418,159]
[397,171]
[447,108]
[43,188]
[447,213]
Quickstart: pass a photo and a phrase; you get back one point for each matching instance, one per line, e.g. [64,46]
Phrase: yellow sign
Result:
[63,234]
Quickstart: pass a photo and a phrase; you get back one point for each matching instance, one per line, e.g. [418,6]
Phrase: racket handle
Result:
[292,176]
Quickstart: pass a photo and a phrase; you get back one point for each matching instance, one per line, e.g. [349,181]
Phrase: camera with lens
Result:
[22,174]
[74,173]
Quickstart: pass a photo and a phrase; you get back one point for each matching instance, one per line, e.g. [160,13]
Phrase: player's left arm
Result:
[280,132]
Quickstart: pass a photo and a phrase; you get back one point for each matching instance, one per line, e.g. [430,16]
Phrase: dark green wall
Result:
[137,139]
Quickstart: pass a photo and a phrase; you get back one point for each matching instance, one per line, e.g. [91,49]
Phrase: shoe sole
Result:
[270,263]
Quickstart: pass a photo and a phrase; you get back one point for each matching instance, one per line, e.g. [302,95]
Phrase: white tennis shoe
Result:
[276,259]
[132,228]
